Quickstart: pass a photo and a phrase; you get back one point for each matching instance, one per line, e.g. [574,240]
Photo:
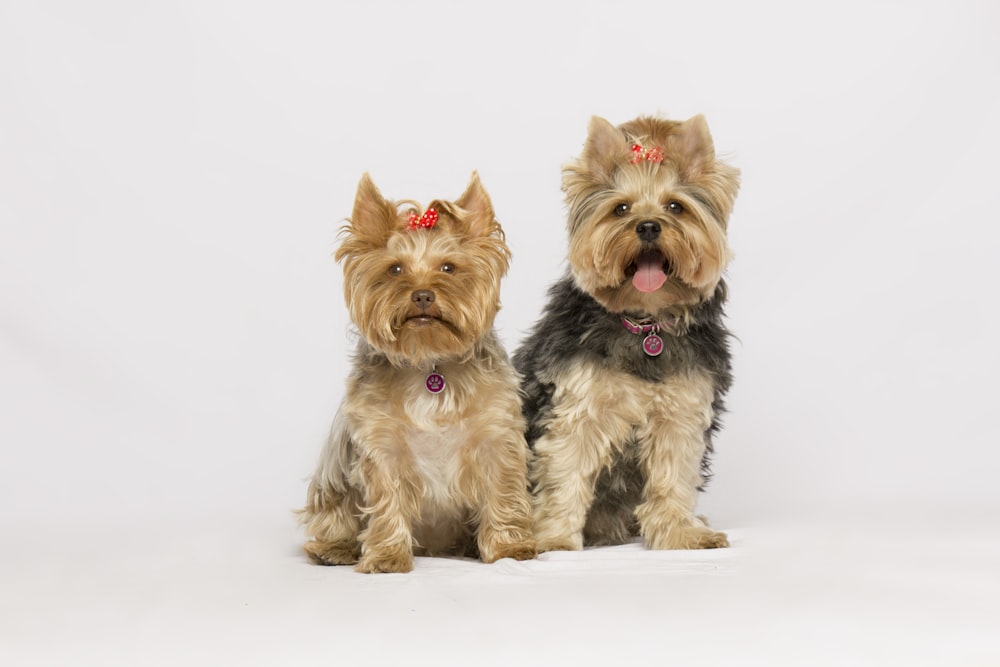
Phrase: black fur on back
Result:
[574,326]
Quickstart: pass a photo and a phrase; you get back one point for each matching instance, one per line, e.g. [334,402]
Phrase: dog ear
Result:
[373,217]
[697,164]
[478,208]
[693,143]
[603,149]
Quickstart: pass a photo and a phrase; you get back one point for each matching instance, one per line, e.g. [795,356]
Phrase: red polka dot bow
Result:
[654,154]
[425,221]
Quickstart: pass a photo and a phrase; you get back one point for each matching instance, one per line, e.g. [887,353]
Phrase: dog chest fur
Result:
[436,458]
[591,392]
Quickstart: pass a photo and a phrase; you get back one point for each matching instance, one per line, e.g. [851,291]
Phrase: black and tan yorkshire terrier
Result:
[624,374]
[427,453]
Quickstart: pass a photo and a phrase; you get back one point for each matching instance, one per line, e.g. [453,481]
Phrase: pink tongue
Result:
[649,277]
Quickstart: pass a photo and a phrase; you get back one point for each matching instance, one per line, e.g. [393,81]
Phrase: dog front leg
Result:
[673,444]
[494,477]
[392,499]
[566,463]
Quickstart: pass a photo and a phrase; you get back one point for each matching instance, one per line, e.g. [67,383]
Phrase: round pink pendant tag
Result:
[435,383]
[652,345]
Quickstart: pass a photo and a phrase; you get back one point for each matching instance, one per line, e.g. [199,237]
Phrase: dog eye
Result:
[395,270]
[675,207]
[448,268]
[621,209]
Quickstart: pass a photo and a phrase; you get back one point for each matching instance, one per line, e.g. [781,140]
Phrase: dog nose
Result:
[648,230]
[423,298]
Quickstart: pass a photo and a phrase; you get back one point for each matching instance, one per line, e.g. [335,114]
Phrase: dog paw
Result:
[335,553]
[689,537]
[710,539]
[518,551]
[559,544]
[385,562]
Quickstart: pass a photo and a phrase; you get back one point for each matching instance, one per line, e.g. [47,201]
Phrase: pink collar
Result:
[645,326]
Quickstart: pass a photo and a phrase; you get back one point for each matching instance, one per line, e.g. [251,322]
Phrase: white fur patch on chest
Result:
[436,455]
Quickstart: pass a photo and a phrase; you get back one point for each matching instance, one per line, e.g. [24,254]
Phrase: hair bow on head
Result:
[654,154]
[425,221]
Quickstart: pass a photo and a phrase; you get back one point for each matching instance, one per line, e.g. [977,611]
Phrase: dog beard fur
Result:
[621,439]
[407,471]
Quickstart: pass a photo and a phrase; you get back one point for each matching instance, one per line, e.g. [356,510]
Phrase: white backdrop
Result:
[173,339]
[172,175]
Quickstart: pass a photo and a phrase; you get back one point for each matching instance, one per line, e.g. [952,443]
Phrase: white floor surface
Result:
[922,590]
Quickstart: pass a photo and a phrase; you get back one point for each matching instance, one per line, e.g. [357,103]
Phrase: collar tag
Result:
[434,382]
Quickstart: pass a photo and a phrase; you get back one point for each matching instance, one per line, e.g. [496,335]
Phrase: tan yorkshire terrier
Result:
[625,372]
[427,454]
